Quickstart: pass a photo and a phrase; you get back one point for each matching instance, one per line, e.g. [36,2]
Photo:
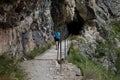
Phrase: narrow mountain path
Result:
[46,67]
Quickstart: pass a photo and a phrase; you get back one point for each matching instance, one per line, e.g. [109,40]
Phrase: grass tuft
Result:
[37,51]
[115,29]
[89,69]
[10,70]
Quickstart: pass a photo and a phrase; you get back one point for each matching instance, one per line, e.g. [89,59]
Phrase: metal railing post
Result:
[57,46]
[59,52]
[67,45]
[65,52]
[60,57]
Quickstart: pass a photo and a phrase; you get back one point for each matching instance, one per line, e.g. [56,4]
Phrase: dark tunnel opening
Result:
[75,27]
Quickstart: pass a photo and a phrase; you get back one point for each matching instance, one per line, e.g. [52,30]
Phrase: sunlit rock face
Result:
[24,25]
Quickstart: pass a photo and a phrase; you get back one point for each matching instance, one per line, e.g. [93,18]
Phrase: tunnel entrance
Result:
[74,28]
[76,25]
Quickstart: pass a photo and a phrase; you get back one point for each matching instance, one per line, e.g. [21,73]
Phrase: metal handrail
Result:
[67,46]
[59,51]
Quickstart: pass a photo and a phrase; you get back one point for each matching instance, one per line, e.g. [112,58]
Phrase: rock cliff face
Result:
[96,33]
[24,25]
[91,20]
[29,24]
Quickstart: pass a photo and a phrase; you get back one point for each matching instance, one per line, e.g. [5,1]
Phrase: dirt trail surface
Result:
[46,67]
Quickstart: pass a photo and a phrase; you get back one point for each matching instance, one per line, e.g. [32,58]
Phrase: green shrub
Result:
[102,49]
[10,70]
[115,26]
[118,60]
[115,32]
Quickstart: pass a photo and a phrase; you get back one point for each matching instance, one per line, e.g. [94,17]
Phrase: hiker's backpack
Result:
[57,35]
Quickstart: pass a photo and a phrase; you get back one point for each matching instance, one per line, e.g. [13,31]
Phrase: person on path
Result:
[57,38]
